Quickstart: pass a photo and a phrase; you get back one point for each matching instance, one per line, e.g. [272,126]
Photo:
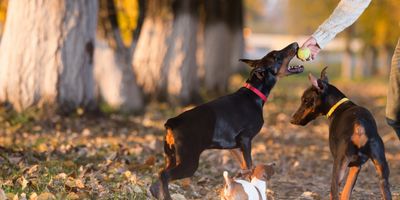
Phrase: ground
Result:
[115,156]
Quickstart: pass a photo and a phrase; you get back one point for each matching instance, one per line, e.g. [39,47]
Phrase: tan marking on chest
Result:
[359,138]
[169,138]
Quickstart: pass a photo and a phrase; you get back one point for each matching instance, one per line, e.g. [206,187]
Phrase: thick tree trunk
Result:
[223,42]
[113,73]
[46,54]
[180,67]
[152,47]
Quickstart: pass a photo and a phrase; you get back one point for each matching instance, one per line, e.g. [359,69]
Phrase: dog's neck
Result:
[333,96]
[264,88]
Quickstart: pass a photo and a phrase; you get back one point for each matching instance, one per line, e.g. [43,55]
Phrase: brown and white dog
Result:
[239,189]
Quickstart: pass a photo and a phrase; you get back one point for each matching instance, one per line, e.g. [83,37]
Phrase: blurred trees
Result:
[223,42]
[377,28]
[46,54]
[155,49]
[187,42]
[115,44]
[3,12]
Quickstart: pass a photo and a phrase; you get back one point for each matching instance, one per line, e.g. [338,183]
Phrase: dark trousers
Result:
[393,96]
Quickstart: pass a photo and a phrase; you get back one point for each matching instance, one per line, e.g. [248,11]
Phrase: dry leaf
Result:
[23,182]
[61,176]
[12,196]
[2,195]
[33,196]
[72,196]
[46,196]
[178,197]
[127,174]
[23,196]
[32,169]
[150,161]
[79,184]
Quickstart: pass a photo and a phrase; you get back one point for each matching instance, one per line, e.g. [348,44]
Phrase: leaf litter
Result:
[117,156]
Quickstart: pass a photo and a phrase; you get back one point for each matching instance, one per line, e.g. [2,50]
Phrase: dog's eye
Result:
[308,101]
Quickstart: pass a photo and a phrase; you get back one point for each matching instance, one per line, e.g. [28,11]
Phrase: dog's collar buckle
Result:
[256,91]
[334,107]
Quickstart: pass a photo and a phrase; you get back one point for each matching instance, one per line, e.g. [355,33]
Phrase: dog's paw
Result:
[155,190]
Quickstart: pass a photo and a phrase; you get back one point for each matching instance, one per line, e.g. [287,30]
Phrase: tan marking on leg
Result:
[237,154]
[351,179]
[169,138]
[359,138]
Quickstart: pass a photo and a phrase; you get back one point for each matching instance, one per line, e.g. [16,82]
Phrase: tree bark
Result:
[223,42]
[114,76]
[152,47]
[180,66]
[46,54]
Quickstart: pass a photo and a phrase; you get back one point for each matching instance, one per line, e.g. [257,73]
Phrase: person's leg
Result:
[393,96]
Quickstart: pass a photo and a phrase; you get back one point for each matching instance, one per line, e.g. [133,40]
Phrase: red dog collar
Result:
[256,91]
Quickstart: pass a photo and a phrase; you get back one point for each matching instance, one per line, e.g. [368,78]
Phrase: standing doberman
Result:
[229,122]
[353,134]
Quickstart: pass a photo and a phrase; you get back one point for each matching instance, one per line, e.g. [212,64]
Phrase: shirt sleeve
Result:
[344,15]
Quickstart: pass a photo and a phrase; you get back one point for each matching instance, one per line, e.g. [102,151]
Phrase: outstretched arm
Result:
[344,15]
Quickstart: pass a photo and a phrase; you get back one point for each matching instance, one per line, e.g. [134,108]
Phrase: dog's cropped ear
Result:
[317,83]
[251,63]
[324,77]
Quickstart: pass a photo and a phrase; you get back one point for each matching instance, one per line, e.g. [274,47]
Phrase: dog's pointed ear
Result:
[317,83]
[314,81]
[324,77]
[251,63]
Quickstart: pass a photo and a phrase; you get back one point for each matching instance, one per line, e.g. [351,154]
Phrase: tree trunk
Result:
[383,61]
[348,60]
[46,54]
[114,76]
[180,67]
[366,62]
[223,42]
[152,47]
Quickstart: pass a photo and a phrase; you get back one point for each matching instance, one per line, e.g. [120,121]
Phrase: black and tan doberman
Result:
[353,135]
[229,122]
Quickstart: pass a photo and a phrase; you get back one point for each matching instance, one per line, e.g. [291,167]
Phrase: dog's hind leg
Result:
[382,168]
[187,164]
[350,182]
[170,158]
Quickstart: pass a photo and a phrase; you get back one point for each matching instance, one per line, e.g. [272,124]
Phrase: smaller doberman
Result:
[229,122]
[237,189]
[353,135]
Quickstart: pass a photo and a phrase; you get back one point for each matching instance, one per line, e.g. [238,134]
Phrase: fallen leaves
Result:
[118,157]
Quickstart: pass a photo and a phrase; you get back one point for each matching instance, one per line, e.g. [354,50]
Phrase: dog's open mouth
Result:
[295,69]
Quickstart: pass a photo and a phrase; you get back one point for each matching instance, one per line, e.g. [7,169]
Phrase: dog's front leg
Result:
[238,155]
[245,147]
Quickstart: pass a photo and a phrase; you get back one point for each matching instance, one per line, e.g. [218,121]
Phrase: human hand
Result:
[312,44]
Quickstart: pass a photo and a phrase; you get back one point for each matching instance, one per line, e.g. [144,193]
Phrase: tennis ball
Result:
[304,53]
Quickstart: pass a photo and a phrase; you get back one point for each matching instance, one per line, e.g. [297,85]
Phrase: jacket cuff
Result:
[323,37]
